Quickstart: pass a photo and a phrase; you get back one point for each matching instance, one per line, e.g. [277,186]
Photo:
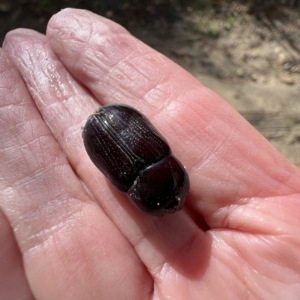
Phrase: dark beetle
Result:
[136,159]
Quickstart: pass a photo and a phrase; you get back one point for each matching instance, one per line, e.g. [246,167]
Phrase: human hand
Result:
[67,234]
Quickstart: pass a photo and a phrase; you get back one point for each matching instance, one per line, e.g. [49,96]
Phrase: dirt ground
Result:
[253,64]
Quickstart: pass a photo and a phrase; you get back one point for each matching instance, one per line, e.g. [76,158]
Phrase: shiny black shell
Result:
[136,159]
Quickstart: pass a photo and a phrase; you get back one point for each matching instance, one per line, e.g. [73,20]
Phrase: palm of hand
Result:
[79,238]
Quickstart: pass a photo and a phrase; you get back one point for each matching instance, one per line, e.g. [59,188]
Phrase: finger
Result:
[71,250]
[229,162]
[158,241]
[13,282]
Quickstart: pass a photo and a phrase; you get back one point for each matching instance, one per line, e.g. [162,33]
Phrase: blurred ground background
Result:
[247,51]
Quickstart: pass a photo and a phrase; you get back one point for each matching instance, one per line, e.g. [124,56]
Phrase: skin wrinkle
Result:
[83,57]
[64,109]
[140,85]
[75,130]
[246,156]
[55,82]
[80,24]
[227,263]
[254,267]
[161,272]
[142,237]
[154,96]
[15,111]
[40,174]
[163,104]
[9,106]
[71,255]
[78,266]
[217,150]
[93,72]
[77,89]
[23,64]
[116,42]
[87,23]
[65,137]
[95,231]
[112,48]
[36,173]
[143,65]
[37,145]
[126,81]
[23,180]
[22,147]
[250,204]
[51,75]
[231,218]
[191,105]
[158,113]
[110,69]
[34,239]
[221,185]
[50,71]
[240,148]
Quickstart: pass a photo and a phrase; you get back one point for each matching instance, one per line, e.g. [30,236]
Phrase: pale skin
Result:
[66,233]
